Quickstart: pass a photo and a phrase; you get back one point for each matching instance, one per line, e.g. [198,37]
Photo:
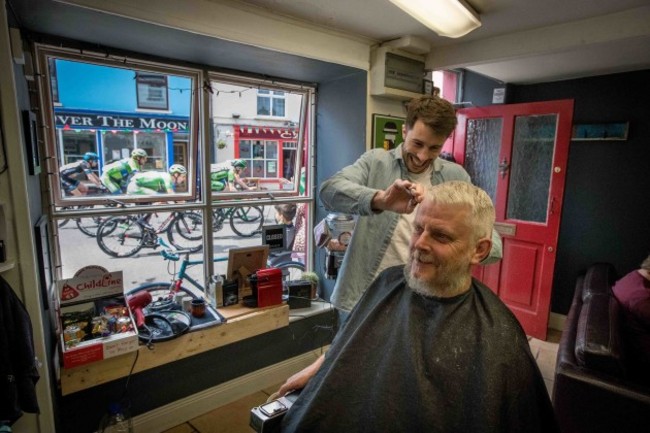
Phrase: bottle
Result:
[214,290]
[116,420]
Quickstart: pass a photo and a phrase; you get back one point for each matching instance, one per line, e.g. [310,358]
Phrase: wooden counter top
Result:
[242,323]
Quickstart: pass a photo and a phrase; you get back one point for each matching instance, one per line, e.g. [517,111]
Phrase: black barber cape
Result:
[407,363]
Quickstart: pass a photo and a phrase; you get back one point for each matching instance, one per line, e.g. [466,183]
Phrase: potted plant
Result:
[312,277]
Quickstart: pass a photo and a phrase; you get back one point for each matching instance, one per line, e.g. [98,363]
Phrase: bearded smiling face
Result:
[442,249]
[421,146]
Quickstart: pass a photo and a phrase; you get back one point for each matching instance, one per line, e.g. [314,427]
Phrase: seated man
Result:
[633,294]
[428,348]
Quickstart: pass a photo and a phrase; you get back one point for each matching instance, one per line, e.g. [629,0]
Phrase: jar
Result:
[198,307]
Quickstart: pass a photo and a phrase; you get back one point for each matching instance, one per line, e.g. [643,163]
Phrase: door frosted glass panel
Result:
[482,148]
[530,169]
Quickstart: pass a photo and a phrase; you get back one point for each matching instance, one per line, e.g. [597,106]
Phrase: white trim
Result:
[556,321]
[180,411]
[247,24]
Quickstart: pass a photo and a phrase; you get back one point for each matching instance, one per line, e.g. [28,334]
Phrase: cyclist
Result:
[228,175]
[72,174]
[117,174]
[157,182]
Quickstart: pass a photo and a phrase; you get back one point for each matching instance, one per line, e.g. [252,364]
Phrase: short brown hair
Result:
[435,112]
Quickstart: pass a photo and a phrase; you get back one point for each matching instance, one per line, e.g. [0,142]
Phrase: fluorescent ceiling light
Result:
[450,18]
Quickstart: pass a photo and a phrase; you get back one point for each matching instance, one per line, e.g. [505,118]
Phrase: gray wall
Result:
[340,138]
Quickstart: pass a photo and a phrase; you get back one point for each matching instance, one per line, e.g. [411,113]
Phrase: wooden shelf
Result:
[242,323]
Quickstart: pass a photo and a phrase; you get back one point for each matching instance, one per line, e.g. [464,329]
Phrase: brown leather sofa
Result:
[592,390]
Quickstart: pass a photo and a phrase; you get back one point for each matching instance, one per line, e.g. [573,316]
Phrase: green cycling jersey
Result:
[116,175]
[150,182]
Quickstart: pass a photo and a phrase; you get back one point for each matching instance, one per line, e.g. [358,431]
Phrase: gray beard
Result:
[450,280]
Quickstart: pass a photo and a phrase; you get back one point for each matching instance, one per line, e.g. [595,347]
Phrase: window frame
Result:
[306,120]
[198,157]
[44,53]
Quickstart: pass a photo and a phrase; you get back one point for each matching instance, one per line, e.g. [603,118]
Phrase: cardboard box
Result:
[95,297]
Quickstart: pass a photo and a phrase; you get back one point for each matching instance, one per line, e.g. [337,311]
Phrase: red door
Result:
[518,153]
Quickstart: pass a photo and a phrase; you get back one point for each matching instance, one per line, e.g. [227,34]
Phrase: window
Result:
[114,229]
[271,150]
[270,103]
[97,129]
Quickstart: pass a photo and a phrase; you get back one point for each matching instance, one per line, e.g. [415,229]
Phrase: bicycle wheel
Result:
[63,222]
[249,214]
[246,221]
[89,225]
[120,236]
[218,217]
[291,271]
[186,231]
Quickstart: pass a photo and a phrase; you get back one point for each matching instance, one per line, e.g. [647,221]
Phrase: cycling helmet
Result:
[91,156]
[177,168]
[240,163]
[139,153]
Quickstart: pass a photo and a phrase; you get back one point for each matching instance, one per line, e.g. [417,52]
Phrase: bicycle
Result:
[87,225]
[124,236]
[163,292]
[245,221]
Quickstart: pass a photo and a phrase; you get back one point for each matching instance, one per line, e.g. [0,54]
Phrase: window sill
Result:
[241,323]
[317,307]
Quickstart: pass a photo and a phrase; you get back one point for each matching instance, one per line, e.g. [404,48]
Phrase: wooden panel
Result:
[241,323]
[518,274]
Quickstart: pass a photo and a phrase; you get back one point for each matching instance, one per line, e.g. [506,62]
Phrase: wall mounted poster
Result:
[386,131]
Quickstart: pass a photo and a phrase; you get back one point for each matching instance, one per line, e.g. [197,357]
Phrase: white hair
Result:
[482,213]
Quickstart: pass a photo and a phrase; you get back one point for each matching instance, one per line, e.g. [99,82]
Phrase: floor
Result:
[234,417]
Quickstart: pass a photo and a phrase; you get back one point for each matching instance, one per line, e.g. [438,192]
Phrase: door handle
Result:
[503,168]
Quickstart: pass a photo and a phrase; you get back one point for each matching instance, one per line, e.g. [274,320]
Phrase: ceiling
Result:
[520,41]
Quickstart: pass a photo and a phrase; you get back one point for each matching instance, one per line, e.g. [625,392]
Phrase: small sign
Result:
[273,236]
[84,288]
[499,95]
[151,91]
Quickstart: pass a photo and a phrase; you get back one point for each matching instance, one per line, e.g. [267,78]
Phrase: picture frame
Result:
[250,258]
[30,131]
[45,269]
[387,131]
[614,131]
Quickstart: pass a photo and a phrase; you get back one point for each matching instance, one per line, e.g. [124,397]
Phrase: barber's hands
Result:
[401,197]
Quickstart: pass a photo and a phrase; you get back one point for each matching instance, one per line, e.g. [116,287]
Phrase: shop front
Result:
[270,151]
[114,136]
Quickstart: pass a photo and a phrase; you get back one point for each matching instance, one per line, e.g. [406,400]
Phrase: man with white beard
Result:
[428,348]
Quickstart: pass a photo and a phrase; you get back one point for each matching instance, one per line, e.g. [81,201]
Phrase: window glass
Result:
[102,143]
[129,228]
[262,128]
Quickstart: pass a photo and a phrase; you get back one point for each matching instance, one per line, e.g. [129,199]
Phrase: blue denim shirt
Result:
[351,191]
